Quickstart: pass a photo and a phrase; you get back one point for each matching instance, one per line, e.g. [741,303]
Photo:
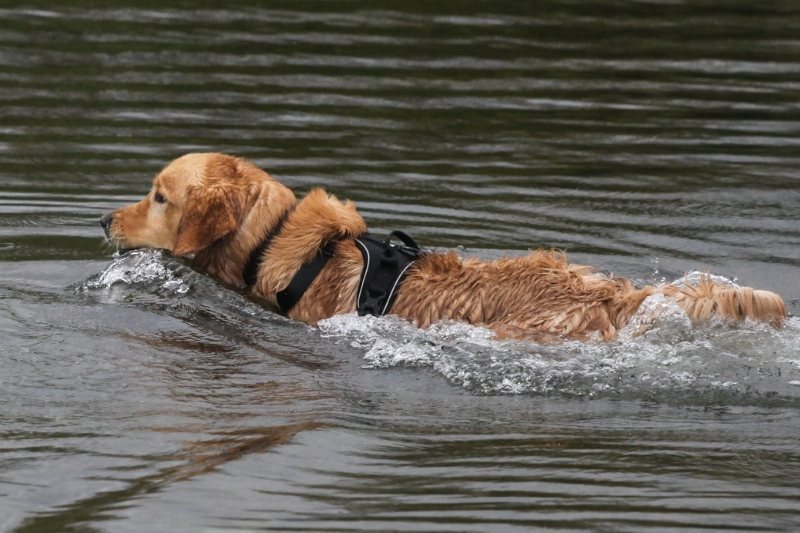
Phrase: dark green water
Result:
[649,139]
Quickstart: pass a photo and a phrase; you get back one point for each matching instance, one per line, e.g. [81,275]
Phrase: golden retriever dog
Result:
[217,209]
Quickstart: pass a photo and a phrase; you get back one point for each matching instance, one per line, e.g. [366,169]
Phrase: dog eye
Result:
[159,198]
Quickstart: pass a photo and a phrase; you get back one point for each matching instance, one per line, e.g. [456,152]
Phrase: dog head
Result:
[196,201]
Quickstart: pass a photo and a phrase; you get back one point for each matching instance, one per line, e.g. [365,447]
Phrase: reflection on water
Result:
[648,139]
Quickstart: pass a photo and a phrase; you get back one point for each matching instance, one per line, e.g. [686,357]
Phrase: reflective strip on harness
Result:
[385,264]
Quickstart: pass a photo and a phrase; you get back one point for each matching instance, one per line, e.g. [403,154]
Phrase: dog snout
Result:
[105,222]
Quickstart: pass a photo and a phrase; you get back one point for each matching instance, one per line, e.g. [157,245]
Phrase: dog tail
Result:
[708,300]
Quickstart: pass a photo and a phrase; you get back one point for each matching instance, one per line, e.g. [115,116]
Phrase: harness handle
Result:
[404,238]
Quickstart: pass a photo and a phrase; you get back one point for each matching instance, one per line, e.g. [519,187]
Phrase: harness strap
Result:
[288,297]
[385,265]
[250,272]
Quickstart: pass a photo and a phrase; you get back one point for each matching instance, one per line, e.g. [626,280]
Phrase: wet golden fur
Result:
[217,208]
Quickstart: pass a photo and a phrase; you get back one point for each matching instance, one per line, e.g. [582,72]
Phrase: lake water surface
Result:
[653,140]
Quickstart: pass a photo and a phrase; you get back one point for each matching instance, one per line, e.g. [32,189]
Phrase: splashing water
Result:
[660,355]
[695,277]
[135,267]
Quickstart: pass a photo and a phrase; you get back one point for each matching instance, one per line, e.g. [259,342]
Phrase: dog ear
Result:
[211,213]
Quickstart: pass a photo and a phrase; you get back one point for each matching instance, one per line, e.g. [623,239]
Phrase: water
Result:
[652,140]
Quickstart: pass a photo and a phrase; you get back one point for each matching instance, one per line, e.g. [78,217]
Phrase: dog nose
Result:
[106,220]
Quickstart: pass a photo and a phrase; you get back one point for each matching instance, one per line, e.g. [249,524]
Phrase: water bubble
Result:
[175,285]
[661,355]
[137,267]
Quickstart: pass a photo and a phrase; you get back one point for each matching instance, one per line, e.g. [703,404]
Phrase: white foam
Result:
[670,359]
[660,353]
[657,315]
[695,277]
[137,266]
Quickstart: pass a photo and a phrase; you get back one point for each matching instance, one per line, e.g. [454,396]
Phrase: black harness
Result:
[288,297]
[385,265]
